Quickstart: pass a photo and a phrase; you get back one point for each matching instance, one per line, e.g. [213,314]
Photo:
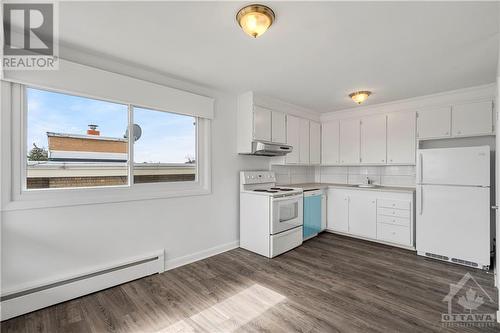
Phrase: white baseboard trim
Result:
[190,258]
[27,299]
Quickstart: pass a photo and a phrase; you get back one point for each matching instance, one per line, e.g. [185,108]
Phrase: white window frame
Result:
[22,198]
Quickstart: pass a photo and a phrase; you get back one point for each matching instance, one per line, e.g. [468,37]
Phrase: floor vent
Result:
[464,262]
[437,256]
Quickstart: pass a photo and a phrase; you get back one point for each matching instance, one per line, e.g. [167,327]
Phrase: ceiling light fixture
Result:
[360,96]
[255,19]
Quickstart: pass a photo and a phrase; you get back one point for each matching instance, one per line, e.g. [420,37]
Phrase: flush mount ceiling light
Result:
[255,19]
[360,96]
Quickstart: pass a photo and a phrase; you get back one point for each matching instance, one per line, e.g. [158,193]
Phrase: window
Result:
[76,141]
[166,148]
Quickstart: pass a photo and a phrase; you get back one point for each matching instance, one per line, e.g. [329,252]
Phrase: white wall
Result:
[41,244]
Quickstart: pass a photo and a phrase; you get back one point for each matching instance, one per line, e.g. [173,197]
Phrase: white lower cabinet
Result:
[378,215]
[363,214]
[337,210]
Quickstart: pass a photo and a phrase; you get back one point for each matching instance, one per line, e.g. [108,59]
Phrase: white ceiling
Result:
[314,54]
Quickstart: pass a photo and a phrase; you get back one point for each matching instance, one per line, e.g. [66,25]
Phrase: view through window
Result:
[166,148]
[75,141]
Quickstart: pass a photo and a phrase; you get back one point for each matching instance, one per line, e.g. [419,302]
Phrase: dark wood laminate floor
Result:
[330,284]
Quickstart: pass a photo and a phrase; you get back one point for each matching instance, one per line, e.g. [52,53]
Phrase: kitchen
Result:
[325,166]
[383,151]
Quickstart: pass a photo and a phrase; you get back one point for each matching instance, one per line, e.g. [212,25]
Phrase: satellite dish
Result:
[137,132]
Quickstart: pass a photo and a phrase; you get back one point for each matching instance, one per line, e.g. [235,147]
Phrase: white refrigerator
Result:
[453,205]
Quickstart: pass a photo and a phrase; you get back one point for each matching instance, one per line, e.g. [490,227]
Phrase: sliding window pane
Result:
[74,141]
[165,151]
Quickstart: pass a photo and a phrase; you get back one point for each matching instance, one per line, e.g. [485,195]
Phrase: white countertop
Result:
[309,186]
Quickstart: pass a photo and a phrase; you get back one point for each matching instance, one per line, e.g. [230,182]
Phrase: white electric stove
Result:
[271,217]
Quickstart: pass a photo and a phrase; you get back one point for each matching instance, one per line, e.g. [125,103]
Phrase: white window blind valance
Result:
[97,83]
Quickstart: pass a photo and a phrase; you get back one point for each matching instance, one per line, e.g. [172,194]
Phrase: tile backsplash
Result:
[290,174]
[381,175]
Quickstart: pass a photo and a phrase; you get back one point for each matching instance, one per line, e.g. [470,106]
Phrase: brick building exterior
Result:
[76,160]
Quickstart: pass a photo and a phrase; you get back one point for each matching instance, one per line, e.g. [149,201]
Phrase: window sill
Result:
[81,197]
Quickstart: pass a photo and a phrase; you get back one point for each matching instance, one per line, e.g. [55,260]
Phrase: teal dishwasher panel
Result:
[312,215]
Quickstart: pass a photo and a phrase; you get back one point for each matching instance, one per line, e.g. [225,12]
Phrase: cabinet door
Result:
[337,210]
[362,214]
[330,143]
[315,143]
[349,141]
[304,141]
[292,138]
[261,124]
[401,138]
[373,140]
[434,123]
[472,119]
[278,127]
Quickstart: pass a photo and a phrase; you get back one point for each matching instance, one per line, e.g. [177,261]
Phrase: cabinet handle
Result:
[459,132]
[447,133]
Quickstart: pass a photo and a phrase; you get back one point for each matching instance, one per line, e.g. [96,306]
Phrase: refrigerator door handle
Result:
[421,164]
[421,199]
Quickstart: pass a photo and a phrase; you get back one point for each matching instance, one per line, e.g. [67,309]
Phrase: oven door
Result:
[286,213]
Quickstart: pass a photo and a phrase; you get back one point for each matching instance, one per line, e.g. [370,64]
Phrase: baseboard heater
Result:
[30,298]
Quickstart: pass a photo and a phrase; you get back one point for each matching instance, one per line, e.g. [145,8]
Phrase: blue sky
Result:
[166,137]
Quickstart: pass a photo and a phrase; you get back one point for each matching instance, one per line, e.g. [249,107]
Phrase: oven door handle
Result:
[290,197]
[290,219]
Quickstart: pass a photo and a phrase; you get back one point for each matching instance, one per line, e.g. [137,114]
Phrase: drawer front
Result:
[394,234]
[394,220]
[397,204]
[393,212]
[285,241]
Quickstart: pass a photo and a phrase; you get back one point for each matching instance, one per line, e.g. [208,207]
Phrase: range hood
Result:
[270,149]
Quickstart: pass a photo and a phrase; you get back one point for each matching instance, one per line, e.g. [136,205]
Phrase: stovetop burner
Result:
[267,191]
[282,189]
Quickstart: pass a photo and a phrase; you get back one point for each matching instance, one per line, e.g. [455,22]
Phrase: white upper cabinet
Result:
[278,127]
[401,138]
[292,138]
[434,123]
[315,143]
[373,139]
[472,119]
[330,143]
[304,141]
[349,141]
[261,124]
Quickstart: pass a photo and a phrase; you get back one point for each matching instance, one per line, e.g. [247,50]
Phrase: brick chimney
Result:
[93,130]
